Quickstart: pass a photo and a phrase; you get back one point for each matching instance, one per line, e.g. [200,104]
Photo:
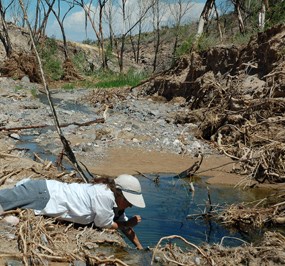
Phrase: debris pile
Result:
[236,96]
[269,252]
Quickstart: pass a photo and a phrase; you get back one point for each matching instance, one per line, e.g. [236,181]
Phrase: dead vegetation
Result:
[269,252]
[69,72]
[235,95]
[19,65]
[40,240]
[107,97]
[267,212]
[34,240]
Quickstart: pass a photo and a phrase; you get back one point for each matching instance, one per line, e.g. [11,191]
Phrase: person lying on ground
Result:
[101,202]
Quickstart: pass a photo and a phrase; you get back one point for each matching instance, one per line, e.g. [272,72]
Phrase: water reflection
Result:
[170,201]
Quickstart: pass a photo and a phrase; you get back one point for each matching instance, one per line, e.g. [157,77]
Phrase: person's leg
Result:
[32,194]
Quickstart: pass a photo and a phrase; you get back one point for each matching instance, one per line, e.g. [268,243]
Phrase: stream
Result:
[169,203]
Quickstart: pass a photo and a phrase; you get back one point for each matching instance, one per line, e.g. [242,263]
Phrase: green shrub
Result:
[34,92]
[51,64]
[68,86]
[242,39]
[18,88]
[207,41]
[276,14]
[88,41]
[185,47]
[79,61]
[53,68]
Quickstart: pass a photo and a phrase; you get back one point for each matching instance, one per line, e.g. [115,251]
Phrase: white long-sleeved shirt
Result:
[80,203]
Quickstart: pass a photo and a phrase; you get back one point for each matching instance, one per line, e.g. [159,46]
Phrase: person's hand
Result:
[134,221]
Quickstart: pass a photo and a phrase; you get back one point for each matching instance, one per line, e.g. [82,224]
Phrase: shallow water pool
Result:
[170,201]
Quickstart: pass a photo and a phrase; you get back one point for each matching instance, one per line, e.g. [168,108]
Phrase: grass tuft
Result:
[113,80]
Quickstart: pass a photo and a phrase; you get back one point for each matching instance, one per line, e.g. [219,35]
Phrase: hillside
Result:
[22,63]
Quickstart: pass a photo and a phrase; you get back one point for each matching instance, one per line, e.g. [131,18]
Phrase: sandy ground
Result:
[123,160]
[215,169]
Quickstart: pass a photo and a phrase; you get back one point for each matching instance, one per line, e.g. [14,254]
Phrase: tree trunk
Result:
[60,23]
[218,23]
[240,19]
[121,55]
[133,46]
[156,22]
[261,17]
[4,37]
[139,42]
[204,17]
[42,26]
[103,55]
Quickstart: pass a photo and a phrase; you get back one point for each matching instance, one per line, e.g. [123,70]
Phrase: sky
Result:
[74,22]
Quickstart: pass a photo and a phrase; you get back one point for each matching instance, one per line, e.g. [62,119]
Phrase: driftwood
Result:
[41,239]
[270,251]
[98,120]
[5,177]
[252,215]
[208,259]
[191,170]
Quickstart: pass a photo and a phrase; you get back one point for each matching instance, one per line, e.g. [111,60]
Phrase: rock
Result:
[25,79]
[78,263]
[10,236]
[13,263]
[15,136]
[12,220]
[157,259]
[197,261]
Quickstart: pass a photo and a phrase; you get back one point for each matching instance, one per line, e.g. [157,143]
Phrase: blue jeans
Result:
[32,194]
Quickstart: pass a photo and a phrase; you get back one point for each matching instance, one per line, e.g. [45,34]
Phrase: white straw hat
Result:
[131,189]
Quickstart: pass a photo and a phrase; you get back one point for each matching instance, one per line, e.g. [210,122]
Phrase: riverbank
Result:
[137,134]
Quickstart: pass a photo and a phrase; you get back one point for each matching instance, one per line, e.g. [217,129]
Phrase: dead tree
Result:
[4,35]
[237,5]
[57,14]
[218,22]
[136,41]
[91,16]
[261,14]
[156,27]
[40,26]
[178,11]
[108,12]
[127,29]
[204,18]
[66,146]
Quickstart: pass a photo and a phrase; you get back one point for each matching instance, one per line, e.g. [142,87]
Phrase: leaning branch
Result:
[68,150]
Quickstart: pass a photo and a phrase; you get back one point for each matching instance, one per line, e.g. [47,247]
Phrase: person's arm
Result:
[131,235]
[126,227]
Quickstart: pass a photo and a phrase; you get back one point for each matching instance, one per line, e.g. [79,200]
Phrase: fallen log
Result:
[98,120]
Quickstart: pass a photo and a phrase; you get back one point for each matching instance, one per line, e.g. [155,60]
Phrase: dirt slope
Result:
[236,96]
